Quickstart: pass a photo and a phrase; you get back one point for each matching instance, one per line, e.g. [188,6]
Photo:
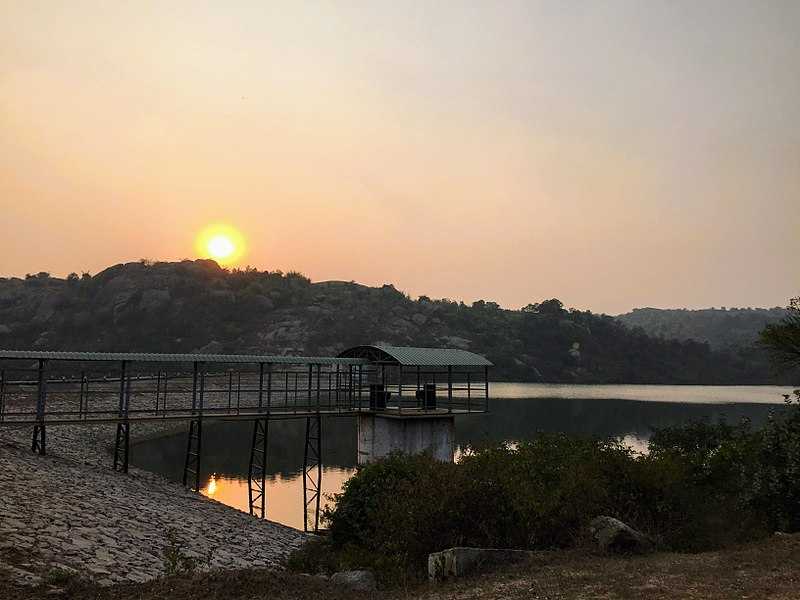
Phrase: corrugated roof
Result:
[153,357]
[419,357]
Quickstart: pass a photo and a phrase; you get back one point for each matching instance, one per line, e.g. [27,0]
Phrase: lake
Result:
[518,411]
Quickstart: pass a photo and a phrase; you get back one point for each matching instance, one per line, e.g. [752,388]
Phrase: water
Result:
[518,411]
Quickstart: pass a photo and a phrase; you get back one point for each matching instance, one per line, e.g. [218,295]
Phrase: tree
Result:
[554,307]
[782,339]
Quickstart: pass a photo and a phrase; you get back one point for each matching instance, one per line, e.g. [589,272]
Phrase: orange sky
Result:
[613,154]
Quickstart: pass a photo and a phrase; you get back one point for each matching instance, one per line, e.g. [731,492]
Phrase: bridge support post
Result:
[122,441]
[39,441]
[122,446]
[257,472]
[380,434]
[312,473]
[191,468]
[194,444]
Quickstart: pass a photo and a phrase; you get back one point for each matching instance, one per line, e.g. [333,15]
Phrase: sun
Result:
[224,243]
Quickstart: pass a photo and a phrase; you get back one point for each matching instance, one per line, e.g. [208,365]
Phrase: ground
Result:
[769,569]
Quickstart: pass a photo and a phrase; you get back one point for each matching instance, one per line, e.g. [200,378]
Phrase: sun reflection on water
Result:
[211,488]
[284,493]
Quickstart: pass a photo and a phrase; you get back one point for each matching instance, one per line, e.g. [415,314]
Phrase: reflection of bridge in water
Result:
[404,398]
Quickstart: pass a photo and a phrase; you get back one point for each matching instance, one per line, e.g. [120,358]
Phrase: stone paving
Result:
[70,510]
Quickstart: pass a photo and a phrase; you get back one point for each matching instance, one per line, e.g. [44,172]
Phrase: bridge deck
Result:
[213,415]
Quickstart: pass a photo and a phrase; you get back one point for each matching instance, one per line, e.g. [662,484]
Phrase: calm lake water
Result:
[518,411]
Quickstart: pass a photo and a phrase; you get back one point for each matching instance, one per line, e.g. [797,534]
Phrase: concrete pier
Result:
[379,434]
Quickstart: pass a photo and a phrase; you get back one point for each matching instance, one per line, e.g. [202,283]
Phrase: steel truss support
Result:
[39,441]
[191,468]
[194,443]
[312,473]
[257,473]
[122,442]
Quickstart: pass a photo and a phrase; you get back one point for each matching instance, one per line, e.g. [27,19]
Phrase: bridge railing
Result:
[69,391]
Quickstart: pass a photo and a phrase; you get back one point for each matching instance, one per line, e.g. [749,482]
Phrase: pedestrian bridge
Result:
[422,388]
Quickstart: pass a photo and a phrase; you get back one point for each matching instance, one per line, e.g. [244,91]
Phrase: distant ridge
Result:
[720,327]
[196,306]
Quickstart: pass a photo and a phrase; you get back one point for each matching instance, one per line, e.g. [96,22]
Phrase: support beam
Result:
[257,472]
[191,468]
[194,445]
[312,473]
[2,395]
[122,441]
[39,441]
[486,387]
[449,389]
[122,447]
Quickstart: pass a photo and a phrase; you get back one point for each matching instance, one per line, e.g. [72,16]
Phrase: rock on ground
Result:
[612,535]
[460,561]
[362,581]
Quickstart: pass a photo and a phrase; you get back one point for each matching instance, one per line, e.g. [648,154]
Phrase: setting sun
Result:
[223,243]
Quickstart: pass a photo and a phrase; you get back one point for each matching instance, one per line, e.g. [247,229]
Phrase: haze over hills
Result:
[196,306]
[720,327]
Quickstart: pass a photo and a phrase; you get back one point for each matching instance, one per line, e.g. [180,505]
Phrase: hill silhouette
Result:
[196,306]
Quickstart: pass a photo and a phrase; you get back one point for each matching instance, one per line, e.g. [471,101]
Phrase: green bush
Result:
[700,486]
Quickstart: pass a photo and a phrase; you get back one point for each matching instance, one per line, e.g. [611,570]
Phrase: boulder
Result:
[453,341]
[153,300]
[263,303]
[120,304]
[612,535]
[362,581]
[212,347]
[45,311]
[44,340]
[460,561]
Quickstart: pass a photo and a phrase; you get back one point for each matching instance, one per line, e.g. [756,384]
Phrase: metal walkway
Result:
[44,389]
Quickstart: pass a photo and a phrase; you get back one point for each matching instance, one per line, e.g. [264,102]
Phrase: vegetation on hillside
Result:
[722,328]
[782,339]
[699,487]
[198,306]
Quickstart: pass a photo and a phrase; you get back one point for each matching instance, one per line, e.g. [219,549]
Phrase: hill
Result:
[198,306]
[720,327]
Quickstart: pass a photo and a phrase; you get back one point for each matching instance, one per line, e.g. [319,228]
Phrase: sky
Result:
[613,154]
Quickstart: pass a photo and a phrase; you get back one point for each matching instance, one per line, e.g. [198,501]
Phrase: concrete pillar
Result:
[380,434]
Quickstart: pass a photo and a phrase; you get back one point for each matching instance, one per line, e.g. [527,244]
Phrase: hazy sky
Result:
[611,154]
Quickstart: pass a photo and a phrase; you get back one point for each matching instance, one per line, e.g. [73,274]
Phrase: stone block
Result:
[460,561]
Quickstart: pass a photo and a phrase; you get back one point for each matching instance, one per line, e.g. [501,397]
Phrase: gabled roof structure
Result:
[417,357]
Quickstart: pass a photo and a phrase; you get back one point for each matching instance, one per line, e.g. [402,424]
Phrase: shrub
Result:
[700,486]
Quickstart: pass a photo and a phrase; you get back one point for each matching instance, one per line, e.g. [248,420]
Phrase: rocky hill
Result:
[197,306]
[720,327]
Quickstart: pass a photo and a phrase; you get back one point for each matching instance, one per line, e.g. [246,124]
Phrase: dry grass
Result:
[769,569]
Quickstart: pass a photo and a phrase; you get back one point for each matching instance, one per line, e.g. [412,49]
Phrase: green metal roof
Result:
[184,358]
[418,357]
